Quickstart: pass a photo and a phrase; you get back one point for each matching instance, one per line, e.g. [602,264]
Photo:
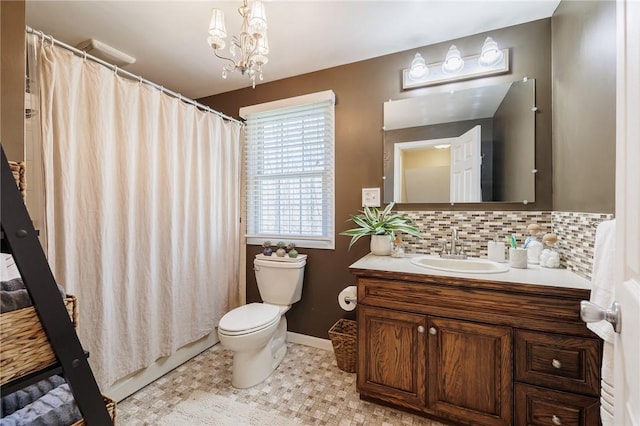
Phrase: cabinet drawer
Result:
[557,361]
[536,406]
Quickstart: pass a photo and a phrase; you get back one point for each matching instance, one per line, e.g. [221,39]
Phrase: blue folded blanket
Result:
[56,407]
[12,285]
[23,397]
[14,295]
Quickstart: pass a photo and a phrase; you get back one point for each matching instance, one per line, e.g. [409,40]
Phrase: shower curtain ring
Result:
[115,69]
[84,55]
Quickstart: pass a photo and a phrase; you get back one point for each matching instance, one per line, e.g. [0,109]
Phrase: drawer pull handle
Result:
[433,331]
[420,329]
[556,420]
[556,364]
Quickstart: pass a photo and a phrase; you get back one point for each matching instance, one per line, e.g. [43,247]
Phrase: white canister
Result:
[534,249]
[518,258]
[495,251]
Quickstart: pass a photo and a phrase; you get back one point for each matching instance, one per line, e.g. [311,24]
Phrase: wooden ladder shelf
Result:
[20,239]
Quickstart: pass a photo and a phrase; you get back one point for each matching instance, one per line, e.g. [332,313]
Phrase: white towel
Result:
[602,293]
[8,268]
[606,396]
[603,276]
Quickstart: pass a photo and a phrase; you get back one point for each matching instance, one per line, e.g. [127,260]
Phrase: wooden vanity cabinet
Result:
[475,352]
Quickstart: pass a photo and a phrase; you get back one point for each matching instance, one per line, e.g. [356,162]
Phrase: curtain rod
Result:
[116,69]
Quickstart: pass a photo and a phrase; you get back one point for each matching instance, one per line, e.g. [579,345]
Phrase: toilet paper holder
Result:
[348,298]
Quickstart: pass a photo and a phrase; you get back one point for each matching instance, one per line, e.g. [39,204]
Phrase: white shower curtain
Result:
[142,209]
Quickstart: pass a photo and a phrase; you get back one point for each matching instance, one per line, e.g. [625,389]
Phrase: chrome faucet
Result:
[456,247]
[454,239]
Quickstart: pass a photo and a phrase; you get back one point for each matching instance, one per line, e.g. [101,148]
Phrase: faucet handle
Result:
[444,246]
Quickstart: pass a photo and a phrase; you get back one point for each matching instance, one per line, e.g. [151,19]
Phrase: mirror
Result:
[464,146]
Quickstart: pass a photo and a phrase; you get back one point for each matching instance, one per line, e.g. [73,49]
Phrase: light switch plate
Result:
[370,197]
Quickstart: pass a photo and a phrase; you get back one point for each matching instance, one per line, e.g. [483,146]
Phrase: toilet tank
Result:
[279,283]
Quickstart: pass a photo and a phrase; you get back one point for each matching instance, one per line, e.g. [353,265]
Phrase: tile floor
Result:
[307,389]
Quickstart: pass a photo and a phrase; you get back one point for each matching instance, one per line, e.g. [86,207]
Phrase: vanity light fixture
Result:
[453,62]
[490,61]
[252,42]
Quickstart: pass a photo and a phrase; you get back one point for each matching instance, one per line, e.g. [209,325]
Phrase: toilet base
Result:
[253,367]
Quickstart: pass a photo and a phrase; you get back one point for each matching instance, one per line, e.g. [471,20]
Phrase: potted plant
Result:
[382,226]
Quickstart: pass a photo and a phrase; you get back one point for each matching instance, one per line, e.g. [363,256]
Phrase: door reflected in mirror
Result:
[471,145]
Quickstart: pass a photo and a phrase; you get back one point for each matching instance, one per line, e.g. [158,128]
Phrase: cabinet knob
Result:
[433,331]
[420,329]
[556,363]
[556,420]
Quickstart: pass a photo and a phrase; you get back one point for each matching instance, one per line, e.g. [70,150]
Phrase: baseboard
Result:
[136,381]
[314,342]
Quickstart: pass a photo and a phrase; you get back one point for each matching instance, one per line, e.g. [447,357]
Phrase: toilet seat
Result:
[249,319]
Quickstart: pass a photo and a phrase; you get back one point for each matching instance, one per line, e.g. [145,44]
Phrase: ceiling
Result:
[168,38]
[468,104]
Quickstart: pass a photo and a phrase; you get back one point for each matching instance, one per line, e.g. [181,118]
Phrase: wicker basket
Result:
[343,339]
[25,346]
[18,171]
[111,408]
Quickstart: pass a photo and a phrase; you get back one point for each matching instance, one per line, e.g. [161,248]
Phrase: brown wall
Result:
[12,78]
[584,104]
[361,88]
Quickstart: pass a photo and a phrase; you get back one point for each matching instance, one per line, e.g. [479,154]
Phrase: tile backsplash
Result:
[575,231]
[576,239]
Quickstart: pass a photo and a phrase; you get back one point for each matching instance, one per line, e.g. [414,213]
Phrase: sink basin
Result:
[469,266]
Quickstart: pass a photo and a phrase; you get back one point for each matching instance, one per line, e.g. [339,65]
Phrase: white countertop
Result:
[534,274]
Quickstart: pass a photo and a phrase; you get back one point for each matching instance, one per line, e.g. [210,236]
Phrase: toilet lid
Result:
[248,317]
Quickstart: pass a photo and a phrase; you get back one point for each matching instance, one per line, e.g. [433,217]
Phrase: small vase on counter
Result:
[398,248]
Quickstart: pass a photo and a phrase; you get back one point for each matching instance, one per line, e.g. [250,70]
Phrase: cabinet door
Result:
[391,360]
[470,372]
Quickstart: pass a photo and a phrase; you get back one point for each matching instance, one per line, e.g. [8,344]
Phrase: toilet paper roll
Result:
[347,298]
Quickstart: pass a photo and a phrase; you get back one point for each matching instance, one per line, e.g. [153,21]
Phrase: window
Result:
[289,154]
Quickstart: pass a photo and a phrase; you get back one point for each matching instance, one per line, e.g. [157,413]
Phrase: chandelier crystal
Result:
[251,46]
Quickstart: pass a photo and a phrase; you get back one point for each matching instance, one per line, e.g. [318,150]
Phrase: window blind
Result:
[290,172]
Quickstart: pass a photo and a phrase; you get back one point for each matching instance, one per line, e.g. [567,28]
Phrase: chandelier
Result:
[250,47]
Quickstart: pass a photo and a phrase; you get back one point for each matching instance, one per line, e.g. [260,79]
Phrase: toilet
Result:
[256,332]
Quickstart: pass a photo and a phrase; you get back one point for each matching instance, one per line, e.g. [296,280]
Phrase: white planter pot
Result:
[381,245]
